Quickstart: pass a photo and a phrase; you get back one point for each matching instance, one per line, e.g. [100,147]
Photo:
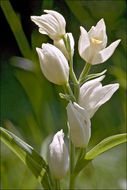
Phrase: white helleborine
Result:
[79,124]
[59,156]
[60,44]
[93,94]
[92,44]
[52,24]
[53,63]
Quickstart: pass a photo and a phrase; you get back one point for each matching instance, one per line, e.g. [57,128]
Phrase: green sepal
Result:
[28,155]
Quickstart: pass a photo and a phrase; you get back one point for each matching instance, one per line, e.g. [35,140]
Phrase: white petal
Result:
[92,83]
[57,15]
[52,24]
[99,32]
[101,25]
[86,117]
[59,18]
[104,54]
[81,110]
[72,42]
[40,53]
[83,43]
[104,39]
[60,45]
[58,153]
[36,20]
[93,95]
[91,32]
[100,96]
[105,93]
[47,25]
[76,129]
[86,96]
[94,32]
[79,123]
[53,64]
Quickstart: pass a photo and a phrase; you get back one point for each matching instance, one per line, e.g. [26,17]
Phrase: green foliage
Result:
[100,148]
[92,76]
[105,145]
[28,155]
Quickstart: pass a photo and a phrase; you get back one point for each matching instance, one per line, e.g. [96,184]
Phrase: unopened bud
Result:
[59,156]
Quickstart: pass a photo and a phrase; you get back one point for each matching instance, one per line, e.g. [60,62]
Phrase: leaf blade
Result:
[92,76]
[105,145]
[28,155]
[100,148]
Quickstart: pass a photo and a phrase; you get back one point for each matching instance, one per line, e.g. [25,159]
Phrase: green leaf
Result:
[92,76]
[100,148]
[105,145]
[28,155]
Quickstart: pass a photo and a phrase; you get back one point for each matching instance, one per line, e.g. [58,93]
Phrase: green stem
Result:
[76,91]
[74,79]
[72,182]
[81,154]
[57,184]
[71,71]
[69,91]
[72,74]
[72,162]
[84,72]
[72,152]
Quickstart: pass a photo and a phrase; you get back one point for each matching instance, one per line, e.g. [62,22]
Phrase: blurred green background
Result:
[30,105]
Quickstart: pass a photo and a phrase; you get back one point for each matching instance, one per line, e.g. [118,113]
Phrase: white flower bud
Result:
[52,24]
[53,64]
[92,44]
[60,44]
[80,125]
[93,94]
[59,156]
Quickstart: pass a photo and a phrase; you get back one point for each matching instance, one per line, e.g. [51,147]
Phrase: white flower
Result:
[79,124]
[52,24]
[92,44]
[59,156]
[53,64]
[60,44]
[93,94]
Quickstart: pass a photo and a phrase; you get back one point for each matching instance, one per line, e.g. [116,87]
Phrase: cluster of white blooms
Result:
[54,64]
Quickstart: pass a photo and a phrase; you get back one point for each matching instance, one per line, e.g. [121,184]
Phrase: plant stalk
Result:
[72,74]
[69,91]
[72,162]
[57,184]
[74,79]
